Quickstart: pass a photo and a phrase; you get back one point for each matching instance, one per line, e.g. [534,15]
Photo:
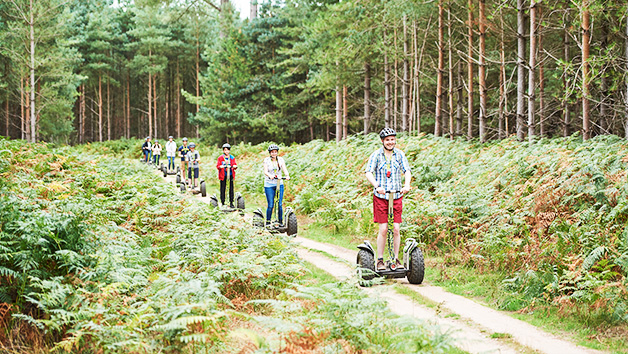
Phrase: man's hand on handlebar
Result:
[405,190]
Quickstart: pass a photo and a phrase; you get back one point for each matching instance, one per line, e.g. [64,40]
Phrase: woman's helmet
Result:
[273,147]
[170,137]
[185,139]
[156,142]
[226,146]
[148,137]
[387,132]
[192,145]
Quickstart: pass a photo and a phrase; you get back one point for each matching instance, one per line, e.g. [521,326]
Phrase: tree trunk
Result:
[253,14]
[155,115]
[450,86]
[345,112]
[565,101]
[439,75]
[395,110]
[367,97]
[470,73]
[100,127]
[178,101]
[81,131]
[6,117]
[405,85]
[604,109]
[150,104]
[108,110]
[626,93]
[482,72]
[501,131]
[459,86]
[338,110]
[417,99]
[521,52]
[32,137]
[22,110]
[128,105]
[542,117]
[586,41]
[387,119]
[531,73]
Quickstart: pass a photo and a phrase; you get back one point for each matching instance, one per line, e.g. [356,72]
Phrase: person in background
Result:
[193,158]
[146,149]
[171,152]
[226,166]
[183,150]
[156,152]
[274,170]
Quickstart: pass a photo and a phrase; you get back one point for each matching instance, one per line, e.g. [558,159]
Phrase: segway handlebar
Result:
[279,178]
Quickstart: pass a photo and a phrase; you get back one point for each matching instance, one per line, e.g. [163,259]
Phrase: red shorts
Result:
[380,210]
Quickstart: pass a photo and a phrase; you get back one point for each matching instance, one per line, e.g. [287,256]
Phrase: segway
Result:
[414,267]
[168,172]
[290,218]
[202,189]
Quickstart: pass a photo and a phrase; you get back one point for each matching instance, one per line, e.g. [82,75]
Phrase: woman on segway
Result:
[274,170]
[156,152]
[226,166]
[383,171]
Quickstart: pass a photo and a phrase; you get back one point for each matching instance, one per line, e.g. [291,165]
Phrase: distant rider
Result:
[146,149]
[156,152]
[226,166]
[193,158]
[383,171]
[183,150]
[274,170]
[171,152]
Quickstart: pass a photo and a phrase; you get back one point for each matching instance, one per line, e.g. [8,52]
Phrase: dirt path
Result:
[477,322]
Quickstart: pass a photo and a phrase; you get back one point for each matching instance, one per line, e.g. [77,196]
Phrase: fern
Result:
[594,256]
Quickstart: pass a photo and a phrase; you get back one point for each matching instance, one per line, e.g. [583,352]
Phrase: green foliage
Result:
[551,215]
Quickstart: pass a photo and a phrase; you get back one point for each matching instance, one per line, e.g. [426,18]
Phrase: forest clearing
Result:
[126,263]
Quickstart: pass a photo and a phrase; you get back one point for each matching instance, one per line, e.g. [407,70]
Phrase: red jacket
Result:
[222,170]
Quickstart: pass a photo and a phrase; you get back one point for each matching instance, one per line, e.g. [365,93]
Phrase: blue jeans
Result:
[145,155]
[270,198]
[171,162]
[156,159]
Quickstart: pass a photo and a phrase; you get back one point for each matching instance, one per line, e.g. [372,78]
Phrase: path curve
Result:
[474,339]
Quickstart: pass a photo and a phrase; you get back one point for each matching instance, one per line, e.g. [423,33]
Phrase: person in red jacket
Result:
[226,171]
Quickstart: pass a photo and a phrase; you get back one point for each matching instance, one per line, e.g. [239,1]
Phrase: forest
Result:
[297,70]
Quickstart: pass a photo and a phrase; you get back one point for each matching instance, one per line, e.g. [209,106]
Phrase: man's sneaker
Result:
[380,264]
[231,206]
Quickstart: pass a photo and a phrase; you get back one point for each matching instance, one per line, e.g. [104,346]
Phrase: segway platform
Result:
[239,202]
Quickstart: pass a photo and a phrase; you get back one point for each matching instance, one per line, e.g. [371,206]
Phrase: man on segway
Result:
[171,152]
[193,158]
[183,150]
[226,166]
[383,171]
[146,149]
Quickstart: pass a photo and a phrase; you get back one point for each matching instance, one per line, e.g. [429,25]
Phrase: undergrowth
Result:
[551,215]
[98,255]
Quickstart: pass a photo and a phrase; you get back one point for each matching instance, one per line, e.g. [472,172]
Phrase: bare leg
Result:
[381,239]
[396,239]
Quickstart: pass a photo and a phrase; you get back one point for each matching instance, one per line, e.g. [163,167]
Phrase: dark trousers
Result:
[223,187]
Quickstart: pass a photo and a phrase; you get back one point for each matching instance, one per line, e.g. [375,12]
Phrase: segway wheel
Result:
[161,166]
[178,178]
[292,224]
[417,267]
[258,218]
[165,171]
[213,201]
[182,187]
[203,190]
[240,202]
[366,262]
[178,169]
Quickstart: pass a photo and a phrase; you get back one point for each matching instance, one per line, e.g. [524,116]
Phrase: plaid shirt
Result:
[397,166]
